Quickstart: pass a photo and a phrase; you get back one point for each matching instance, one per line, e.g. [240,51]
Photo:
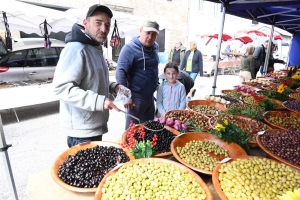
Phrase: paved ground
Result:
[39,141]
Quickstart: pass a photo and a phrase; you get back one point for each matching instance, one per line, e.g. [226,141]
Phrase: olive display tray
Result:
[279,114]
[234,150]
[215,176]
[185,112]
[272,155]
[98,194]
[218,106]
[251,144]
[290,108]
[174,131]
[73,150]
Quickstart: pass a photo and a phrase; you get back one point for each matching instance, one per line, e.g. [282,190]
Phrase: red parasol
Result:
[278,37]
[256,32]
[244,39]
[225,37]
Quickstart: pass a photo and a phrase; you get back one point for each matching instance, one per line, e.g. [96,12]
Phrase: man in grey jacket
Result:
[81,79]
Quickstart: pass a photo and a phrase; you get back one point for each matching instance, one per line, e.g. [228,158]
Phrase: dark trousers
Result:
[144,109]
[72,141]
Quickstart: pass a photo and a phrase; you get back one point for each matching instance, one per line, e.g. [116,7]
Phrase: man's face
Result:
[147,38]
[177,44]
[97,26]
[266,45]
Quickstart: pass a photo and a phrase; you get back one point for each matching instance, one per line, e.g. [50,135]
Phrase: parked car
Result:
[30,60]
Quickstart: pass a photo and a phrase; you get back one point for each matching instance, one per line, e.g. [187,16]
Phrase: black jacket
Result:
[197,62]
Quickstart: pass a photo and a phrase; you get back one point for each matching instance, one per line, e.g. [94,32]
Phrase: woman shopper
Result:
[247,70]
[171,93]
[192,62]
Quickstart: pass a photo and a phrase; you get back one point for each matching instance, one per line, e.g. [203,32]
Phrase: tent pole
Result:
[219,48]
[268,51]
[6,162]
[288,55]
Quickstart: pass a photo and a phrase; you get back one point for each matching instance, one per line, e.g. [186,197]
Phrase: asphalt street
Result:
[38,141]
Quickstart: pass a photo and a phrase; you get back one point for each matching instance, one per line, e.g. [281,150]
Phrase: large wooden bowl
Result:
[234,150]
[73,150]
[218,106]
[251,143]
[284,105]
[269,114]
[215,176]
[202,184]
[174,131]
[272,155]
[185,113]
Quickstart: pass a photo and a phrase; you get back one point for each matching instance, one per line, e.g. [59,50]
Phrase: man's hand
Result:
[108,105]
[129,104]
[123,90]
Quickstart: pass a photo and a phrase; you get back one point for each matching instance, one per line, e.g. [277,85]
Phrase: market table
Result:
[42,186]
[16,97]
[209,66]
[21,96]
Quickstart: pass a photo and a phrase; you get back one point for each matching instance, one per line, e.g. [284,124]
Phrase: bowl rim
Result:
[283,104]
[269,153]
[174,152]
[198,179]
[268,113]
[215,175]
[189,104]
[73,150]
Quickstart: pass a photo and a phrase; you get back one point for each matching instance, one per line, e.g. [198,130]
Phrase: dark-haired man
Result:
[81,79]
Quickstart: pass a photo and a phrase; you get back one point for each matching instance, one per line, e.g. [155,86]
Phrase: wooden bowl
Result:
[185,113]
[272,155]
[215,176]
[251,143]
[248,86]
[295,95]
[284,105]
[234,150]
[98,194]
[269,114]
[73,150]
[218,106]
[174,131]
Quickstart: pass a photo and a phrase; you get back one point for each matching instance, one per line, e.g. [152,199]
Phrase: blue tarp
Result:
[283,14]
[294,58]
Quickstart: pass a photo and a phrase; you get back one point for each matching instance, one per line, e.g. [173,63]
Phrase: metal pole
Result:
[6,162]
[218,49]
[268,51]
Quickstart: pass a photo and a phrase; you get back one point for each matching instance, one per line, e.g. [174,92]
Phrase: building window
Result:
[200,5]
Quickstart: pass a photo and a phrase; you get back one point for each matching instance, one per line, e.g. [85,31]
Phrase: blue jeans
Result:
[72,141]
[193,75]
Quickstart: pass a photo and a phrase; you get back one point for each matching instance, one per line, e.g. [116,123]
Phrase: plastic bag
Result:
[124,94]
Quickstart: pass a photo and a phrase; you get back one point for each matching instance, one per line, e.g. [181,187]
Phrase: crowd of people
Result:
[82,84]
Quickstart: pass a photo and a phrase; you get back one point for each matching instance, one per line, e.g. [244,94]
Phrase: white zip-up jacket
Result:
[170,97]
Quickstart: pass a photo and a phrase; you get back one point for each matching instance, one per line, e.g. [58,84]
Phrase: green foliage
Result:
[249,112]
[142,150]
[275,95]
[231,133]
[192,127]
[267,104]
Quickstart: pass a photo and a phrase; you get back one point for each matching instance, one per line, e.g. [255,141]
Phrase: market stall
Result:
[215,140]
